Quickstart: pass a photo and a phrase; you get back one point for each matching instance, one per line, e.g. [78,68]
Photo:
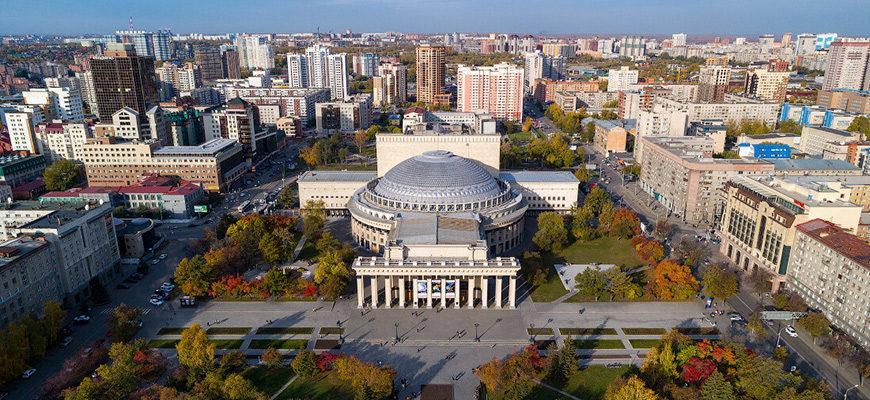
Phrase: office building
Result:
[816,116]
[174,81]
[274,103]
[420,122]
[238,120]
[713,82]
[390,86]
[30,278]
[431,64]
[681,175]
[848,65]
[123,79]
[344,117]
[496,90]
[824,142]
[766,84]
[16,169]
[20,123]
[851,101]
[610,135]
[830,270]
[632,46]
[255,52]
[760,218]
[128,124]
[208,59]
[215,164]
[231,64]
[366,64]
[620,79]
[58,140]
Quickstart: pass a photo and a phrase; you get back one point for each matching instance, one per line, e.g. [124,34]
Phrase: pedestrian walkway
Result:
[281,390]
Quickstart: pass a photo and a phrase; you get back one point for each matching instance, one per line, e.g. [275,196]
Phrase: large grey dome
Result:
[438,177]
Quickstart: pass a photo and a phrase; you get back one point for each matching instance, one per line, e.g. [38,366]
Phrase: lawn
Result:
[540,331]
[162,343]
[287,330]
[170,331]
[598,344]
[644,343]
[290,344]
[268,380]
[644,331]
[321,387]
[331,330]
[605,250]
[227,343]
[589,383]
[521,137]
[228,330]
[587,331]
[553,288]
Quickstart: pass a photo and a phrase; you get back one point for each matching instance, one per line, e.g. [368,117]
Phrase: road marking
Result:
[146,311]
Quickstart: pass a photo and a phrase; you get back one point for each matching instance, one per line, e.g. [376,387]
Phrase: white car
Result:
[156,301]
[155,261]
[27,374]
[167,287]
[82,318]
[163,256]
[735,317]
[791,331]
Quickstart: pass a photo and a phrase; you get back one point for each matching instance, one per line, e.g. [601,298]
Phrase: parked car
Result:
[791,331]
[82,319]
[163,256]
[27,374]
[167,287]
[735,316]
[156,301]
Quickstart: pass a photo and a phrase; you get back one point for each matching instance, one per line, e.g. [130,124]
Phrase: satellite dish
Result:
[101,201]
[9,200]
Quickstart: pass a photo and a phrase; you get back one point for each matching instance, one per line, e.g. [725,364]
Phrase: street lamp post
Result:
[846,393]
[397,331]
[476,336]
[779,336]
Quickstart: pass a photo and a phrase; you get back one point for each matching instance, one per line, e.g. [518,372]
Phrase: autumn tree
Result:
[591,283]
[118,378]
[717,388]
[581,227]
[631,389]
[662,229]
[194,276]
[233,361]
[761,378]
[582,174]
[551,234]
[271,358]
[719,283]
[123,322]
[365,378]
[527,124]
[816,324]
[673,281]
[271,249]
[756,328]
[195,352]
[236,387]
[625,223]
[305,363]
[512,378]
[360,138]
[621,286]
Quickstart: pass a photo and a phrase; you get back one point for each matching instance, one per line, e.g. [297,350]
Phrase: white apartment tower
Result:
[297,71]
[497,90]
[848,65]
[390,86]
[620,79]
[255,52]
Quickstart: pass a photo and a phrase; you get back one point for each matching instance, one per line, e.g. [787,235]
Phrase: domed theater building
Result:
[440,221]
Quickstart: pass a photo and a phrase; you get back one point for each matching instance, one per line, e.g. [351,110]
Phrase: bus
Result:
[244,206]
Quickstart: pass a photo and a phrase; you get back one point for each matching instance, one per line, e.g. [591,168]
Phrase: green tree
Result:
[271,358]
[581,228]
[789,126]
[756,328]
[719,283]
[119,377]
[270,249]
[123,321]
[275,282]
[582,174]
[860,124]
[52,320]
[566,360]
[313,219]
[62,175]
[194,276]
[195,352]
[236,387]
[760,378]
[551,234]
[596,199]
[717,388]
[37,342]
[88,389]
[591,283]
[620,285]
[305,363]
[816,324]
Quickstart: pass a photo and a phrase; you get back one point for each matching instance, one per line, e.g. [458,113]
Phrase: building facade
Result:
[431,65]
[496,90]
[123,79]
[848,65]
[390,85]
[620,79]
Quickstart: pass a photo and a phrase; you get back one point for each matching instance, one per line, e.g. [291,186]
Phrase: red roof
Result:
[837,239]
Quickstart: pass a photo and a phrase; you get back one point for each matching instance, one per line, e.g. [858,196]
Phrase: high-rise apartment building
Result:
[678,39]
[336,69]
[848,65]
[390,86]
[541,66]
[366,64]
[632,46]
[319,68]
[297,70]
[175,81]
[149,44]
[20,124]
[497,90]
[431,65]
[713,82]
[210,63]
[86,88]
[231,64]
[62,103]
[620,79]
[62,140]
[766,84]
[316,57]
[255,52]
[123,79]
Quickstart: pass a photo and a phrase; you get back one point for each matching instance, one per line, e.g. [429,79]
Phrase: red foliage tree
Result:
[325,360]
[697,370]
[310,290]
[649,250]
[625,223]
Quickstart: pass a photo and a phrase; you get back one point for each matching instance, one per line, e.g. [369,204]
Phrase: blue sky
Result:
[717,17]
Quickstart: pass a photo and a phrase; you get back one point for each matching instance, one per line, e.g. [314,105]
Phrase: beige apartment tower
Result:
[431,62]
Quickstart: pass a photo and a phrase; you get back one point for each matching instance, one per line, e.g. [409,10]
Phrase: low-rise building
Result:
[287,102]
[611,136]
[17,169]
[813,166]
[830,270]
[759,220]
[789,139]
[826,142]
[135,236]
[334,188]
[545,190]
[848,100]
[545,90]
[682,176]
[471,122]
[816,116]
[344,117]
[30,278]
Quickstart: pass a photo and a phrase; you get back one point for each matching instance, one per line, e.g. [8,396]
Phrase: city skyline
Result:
[652,17]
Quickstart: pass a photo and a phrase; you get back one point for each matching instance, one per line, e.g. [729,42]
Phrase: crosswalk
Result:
[107,311]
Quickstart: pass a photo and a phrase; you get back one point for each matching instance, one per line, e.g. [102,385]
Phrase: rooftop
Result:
[16,248]
[838,132]
[211,147]
[818,164]
[537,176]
[6,159]
[835,238]
[420,228]
[338,176]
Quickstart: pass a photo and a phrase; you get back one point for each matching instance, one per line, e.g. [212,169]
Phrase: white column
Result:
[443,293]
[401,292]
[388,291]
[498,280]
[360,291]
[414,291]
[428,293]
[471,291]
[375,291]
[512,292]
[484,294]
[456,293]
